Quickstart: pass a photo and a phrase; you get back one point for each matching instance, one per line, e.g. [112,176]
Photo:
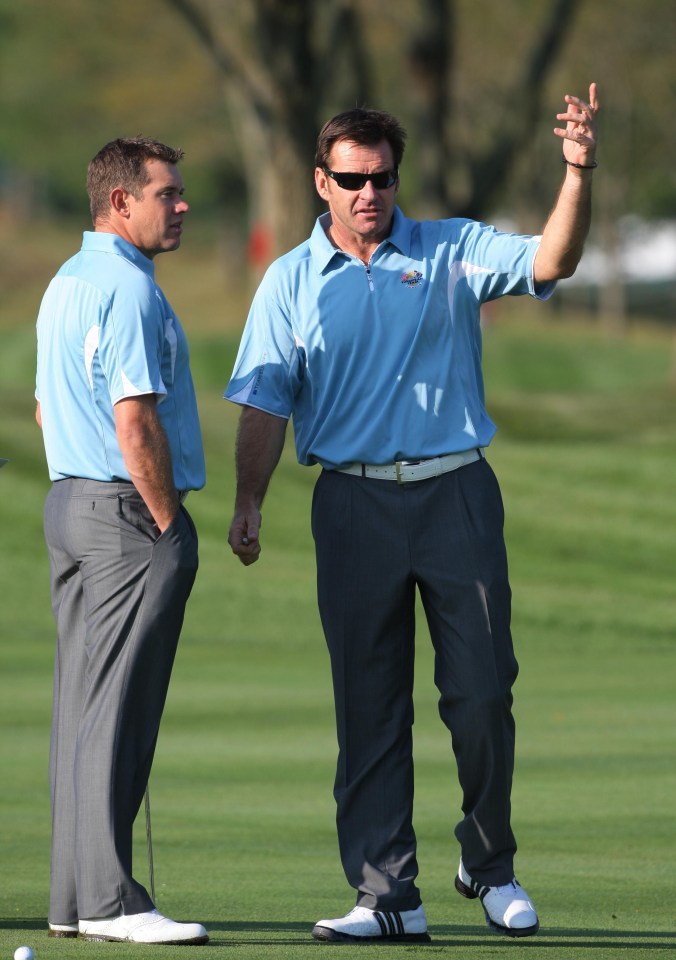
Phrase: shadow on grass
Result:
[558,938]
[252,933]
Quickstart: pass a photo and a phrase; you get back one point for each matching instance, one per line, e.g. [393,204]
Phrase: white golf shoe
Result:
[63,930]
[149,927]
[508,909]
[361,925]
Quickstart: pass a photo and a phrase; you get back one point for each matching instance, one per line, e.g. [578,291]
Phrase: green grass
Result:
[243,818]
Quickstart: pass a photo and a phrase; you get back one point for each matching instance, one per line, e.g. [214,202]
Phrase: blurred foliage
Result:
[78,73]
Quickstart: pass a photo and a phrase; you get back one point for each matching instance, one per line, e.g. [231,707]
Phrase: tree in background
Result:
[289,64]
[280,65]
[244,87]
[487,165]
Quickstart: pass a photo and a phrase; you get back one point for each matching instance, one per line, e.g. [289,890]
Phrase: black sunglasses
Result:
[357,181]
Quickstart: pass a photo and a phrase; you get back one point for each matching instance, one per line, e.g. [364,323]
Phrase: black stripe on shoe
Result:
[471,890]
[391,928]
[390,923]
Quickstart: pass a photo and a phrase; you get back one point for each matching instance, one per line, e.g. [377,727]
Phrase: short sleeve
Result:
[131,340]
[267,368]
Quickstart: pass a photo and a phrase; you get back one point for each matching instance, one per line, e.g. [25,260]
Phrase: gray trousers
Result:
[118,595]
[376,542]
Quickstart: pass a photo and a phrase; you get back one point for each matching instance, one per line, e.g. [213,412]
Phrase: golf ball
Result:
[23,953]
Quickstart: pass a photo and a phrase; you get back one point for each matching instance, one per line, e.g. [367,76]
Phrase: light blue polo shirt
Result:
[107,332]
[382,362]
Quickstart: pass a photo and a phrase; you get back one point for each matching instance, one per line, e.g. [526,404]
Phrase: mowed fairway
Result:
[243,817]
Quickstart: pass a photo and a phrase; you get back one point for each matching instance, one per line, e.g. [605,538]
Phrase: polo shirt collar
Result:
[321,248]
[323,251]
[400,236]
[99,242]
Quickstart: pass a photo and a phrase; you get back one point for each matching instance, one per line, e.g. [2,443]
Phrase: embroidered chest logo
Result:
[412,278]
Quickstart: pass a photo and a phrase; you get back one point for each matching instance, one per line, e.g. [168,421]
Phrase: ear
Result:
[119,202]
[321,183]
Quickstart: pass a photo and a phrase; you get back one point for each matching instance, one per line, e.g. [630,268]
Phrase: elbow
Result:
[566,270]
[555,270]
[569,264]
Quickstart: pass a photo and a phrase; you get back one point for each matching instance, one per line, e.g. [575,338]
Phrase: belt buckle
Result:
[398,464]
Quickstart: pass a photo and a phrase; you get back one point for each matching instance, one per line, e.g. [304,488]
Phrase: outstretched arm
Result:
[566,229]
[260,441]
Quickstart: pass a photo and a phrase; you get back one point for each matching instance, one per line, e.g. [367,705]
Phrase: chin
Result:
[170,245]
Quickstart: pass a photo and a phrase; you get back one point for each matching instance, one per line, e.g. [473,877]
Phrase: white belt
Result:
[407,471]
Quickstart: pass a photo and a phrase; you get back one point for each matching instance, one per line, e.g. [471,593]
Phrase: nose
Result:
[368,191]
[182,206]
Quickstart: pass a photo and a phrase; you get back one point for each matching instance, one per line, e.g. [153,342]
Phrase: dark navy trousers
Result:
[376,543]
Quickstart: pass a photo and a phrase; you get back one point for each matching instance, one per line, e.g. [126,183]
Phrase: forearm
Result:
[566,231]
[149,466]
[147,457]
[260,441]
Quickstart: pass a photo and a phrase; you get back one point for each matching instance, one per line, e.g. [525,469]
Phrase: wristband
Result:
[581,166]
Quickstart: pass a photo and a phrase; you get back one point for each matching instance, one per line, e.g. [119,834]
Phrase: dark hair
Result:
[122,163]
[362,126]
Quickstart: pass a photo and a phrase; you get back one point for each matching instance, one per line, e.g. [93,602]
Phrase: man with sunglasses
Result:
[368,334]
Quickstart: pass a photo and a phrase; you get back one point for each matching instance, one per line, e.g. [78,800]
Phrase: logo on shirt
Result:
[411,278]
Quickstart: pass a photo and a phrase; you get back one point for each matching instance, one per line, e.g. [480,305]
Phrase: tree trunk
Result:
[276,90]
[429,59]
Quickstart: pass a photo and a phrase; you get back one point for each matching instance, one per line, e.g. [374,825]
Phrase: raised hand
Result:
[579,136]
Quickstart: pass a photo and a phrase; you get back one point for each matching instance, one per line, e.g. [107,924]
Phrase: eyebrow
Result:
[170,188]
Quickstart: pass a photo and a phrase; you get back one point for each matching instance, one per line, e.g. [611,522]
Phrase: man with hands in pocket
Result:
[119,418]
